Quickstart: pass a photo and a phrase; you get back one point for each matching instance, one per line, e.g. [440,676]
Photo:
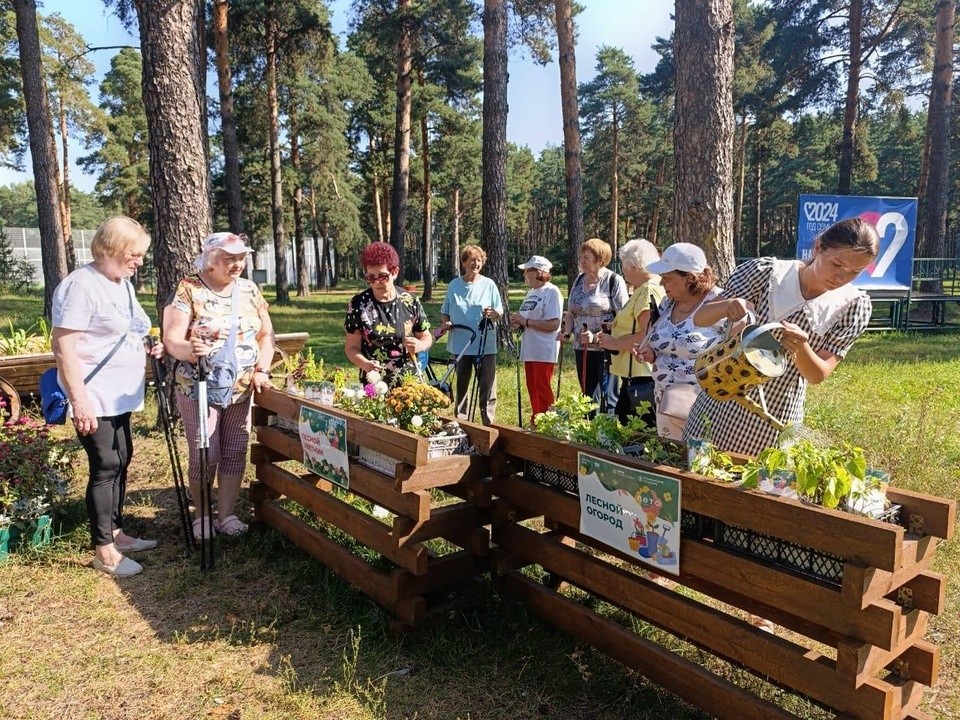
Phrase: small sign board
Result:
[323,438]
[634,511]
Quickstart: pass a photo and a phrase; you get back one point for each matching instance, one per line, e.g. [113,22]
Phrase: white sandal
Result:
[203,529]
[231,525]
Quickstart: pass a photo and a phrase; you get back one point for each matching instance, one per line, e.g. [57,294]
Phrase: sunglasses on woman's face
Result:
[379,277]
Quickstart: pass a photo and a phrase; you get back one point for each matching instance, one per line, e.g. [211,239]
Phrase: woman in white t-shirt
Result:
[539,318]
[99,330]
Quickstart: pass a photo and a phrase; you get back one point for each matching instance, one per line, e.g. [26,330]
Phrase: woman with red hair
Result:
[385,326]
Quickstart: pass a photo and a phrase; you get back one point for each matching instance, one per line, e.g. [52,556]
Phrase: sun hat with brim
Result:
[682,257]
[536,262]
[224,241]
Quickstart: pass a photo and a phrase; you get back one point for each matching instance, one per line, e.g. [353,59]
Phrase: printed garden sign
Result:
[324,441]
[633,511]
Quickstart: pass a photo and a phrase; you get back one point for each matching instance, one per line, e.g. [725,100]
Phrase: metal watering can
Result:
[743,361]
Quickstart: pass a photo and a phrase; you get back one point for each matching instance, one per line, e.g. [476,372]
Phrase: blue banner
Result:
[894,218]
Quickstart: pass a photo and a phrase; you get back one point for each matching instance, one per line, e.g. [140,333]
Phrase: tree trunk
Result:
[401,150]
[741,183]
[938,133]
[43,151]
[228,121]
[703,130]
[377,205]
[300,250]
[65,214]
[855,25]
[494,191]
[427,212]
[615,186]
[175,102]
[655,220]
[758,197]
[572,151]
[276,173]
[455,239]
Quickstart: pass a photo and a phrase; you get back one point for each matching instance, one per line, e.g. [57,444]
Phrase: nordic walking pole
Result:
[583,366]
[519,399]
[163,409]
[559,369]
[206,502]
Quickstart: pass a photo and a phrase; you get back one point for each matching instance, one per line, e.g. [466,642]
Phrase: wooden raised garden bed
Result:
[857,600]
[445,498]
[23,371]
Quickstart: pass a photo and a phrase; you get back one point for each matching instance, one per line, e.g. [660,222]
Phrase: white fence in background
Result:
[25,243]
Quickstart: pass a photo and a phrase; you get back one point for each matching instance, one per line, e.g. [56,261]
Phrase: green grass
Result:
[270,633]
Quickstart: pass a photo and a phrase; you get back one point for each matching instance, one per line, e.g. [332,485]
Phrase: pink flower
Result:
[369,390]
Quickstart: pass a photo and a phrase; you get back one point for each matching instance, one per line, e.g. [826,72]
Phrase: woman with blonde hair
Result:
[597,295]
[473,300]
[99,334]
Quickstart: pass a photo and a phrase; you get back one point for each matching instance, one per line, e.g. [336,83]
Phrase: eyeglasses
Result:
[379,277]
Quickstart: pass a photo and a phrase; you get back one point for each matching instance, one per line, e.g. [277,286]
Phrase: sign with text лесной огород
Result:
[323,438]
[631,510]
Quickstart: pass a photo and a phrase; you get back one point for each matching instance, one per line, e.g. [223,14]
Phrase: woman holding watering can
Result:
[99,331]
[222,317]
[821,313]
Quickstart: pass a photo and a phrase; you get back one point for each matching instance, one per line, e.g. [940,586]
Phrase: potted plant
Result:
[34,472]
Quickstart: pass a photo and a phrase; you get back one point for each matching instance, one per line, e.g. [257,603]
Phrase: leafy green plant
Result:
[34,471]
[19,341]
[826,475]
[569,419]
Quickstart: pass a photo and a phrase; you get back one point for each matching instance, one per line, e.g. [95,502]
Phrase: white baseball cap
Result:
[538,262]
[225,241]
[684,257]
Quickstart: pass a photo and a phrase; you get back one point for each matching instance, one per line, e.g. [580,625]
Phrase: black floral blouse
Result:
[382,327]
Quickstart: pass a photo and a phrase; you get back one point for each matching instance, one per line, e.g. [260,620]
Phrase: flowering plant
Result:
[412,405]
[416,406]
[34,470]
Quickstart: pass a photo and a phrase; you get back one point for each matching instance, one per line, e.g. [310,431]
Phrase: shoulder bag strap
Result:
[113,350]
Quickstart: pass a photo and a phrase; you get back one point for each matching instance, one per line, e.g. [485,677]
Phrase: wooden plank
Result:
[444,572]
[396,443]
[939,514]
[721,634]
[718,697]
[858,662]
[921,662]
[370,581]
[364,481]
[24,371]
[365,529]
[451,520]
[440,472]
[482,437]
[927,592]
[862,585]
[863,540]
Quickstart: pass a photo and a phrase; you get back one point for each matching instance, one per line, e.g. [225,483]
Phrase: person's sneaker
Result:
[203,529]
[125,568]
[136,545]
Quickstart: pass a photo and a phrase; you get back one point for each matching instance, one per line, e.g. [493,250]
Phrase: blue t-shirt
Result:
[464,305]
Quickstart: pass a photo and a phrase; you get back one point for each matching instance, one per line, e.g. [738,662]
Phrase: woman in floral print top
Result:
[385,327]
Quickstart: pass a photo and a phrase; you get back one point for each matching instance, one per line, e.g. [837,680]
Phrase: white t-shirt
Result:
[542,303]
[87,300]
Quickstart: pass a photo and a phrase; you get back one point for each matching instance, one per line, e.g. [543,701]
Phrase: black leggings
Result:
[109,450]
